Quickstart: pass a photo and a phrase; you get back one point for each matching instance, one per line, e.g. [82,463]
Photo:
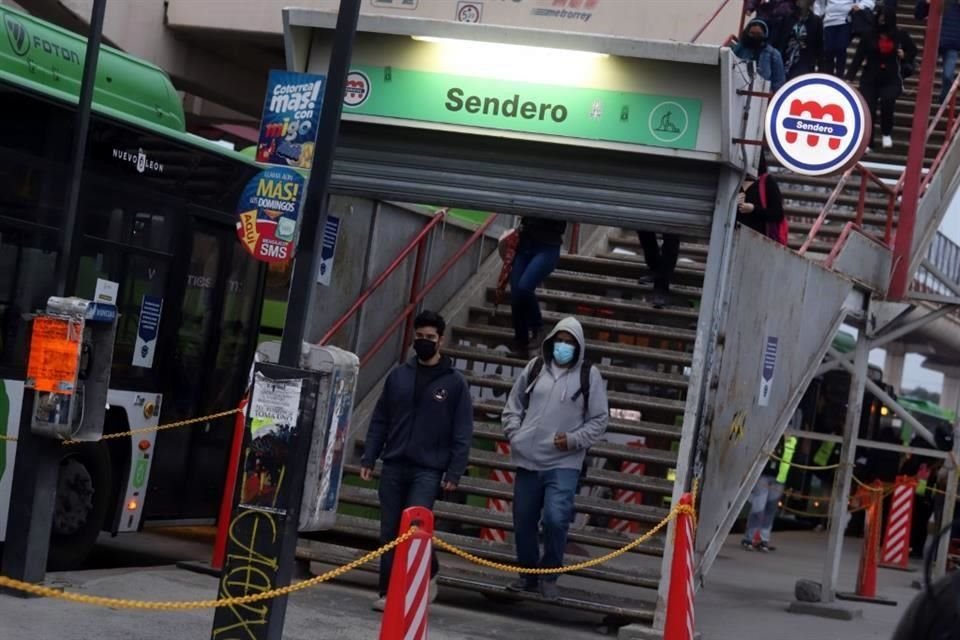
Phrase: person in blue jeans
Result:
[551,421]
[421,428]
[538,254]
[765,498]
[949,40]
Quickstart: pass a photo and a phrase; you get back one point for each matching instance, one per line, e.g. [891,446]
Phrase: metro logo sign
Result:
[817,125]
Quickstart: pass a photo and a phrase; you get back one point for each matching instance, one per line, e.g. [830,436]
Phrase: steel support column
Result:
[844,475]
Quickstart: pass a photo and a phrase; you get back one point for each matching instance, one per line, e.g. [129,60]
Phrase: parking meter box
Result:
[328,446]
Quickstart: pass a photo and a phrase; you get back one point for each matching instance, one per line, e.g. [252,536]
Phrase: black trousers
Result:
[887,108]
[661,258]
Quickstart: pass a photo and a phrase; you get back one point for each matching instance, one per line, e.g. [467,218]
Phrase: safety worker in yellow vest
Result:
[765,497]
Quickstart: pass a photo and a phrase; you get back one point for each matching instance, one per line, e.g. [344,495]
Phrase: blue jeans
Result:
[949,71]
[543,497]
[835,42]
[531,266]
[403,486]
[764,502]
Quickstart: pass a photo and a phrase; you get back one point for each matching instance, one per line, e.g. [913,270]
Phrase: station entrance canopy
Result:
[593,129]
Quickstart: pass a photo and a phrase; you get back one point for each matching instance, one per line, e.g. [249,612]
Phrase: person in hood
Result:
[887,57]
[802,46]
[551,420]
[760,204]
[754,46]
[776,13]
[538,254]
[838,20]
[421,428]
[949,40]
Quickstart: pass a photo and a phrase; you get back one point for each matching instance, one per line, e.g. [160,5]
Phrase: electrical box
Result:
[71,353]
[321,491]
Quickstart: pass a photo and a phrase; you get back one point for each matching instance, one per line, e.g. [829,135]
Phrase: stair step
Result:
[614,608]
[617,400]
[338,555]
[493,409]
[574,300]
[594,348]
[580,282]
[623,375]
[482,517]
[607,265]
[593,324]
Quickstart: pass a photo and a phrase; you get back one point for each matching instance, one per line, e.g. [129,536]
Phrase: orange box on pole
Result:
[408,595]
[896,542]
[867,574]
[680,619]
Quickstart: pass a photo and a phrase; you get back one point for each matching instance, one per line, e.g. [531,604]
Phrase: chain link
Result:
[593,562]
[144,430]
[188,605]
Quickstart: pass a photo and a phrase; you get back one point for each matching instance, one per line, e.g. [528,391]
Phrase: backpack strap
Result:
[535,369]
[585,369]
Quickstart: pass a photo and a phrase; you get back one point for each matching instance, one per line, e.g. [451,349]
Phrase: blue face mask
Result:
[563,353]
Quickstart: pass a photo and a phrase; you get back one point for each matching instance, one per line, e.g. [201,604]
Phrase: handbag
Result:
[777,231]
[861,22]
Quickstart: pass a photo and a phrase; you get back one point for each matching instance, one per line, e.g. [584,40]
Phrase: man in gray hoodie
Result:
[556,410]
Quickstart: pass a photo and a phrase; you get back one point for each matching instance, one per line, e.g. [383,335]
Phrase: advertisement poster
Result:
[54,355]
[269,207]
[338,425]
[274,412]
[151,308]
[291,112]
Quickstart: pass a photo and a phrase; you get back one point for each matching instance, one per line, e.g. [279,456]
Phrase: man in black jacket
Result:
[421,428]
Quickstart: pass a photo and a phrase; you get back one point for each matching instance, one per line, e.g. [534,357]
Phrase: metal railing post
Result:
[411,299]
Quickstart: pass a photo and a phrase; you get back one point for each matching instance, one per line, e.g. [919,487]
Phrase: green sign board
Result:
[569,112]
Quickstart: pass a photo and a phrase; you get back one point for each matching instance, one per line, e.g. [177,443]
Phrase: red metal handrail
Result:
[948,108]
[706,25]
[418,242]
[418,296]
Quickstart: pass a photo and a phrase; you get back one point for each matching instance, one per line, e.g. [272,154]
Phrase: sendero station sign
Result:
[569,112]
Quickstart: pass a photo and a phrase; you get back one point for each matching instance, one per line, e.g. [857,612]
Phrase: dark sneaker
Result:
[746,545]
[659,299]
[763,547]
[549,590]
[646,279]
[523,584]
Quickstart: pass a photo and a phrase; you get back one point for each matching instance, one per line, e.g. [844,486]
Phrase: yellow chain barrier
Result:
[144,430]
[593,562]
[187,605]
[804,467]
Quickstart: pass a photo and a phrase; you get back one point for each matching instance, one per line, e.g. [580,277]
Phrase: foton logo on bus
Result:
[21,41]
[817,125]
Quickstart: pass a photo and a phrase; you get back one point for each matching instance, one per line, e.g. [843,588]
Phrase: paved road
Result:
[745,599]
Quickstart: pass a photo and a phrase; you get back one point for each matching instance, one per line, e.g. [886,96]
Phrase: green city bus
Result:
[157,217]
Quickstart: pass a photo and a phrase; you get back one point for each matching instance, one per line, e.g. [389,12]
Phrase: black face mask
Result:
[752,43]
[425,349]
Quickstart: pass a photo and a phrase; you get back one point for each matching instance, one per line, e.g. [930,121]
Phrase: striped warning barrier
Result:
[498,504]
[626,496]
[896,542]
[408,596]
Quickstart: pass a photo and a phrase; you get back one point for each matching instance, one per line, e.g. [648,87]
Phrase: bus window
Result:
[27,263]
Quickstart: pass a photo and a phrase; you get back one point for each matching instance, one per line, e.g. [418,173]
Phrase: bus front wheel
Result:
[83,493]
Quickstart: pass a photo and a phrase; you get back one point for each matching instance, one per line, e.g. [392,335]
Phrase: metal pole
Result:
[37,465]
[913,174]
[72,231]
[844,475]
[315,209]
[949,509]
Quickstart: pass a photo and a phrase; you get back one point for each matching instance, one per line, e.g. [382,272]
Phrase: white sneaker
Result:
[433,590]
[887,142]
[380,604]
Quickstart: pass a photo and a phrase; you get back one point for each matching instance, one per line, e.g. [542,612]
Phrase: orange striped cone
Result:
[408,595]
[498,504]
[896,542]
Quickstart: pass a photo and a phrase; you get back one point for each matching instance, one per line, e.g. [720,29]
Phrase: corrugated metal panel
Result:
[516,176]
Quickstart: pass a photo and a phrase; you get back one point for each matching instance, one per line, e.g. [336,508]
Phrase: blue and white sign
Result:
[151,308]
[328,250]
[291,114]
[818,125]
[767,369]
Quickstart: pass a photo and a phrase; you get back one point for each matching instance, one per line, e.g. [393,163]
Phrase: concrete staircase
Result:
[642,352]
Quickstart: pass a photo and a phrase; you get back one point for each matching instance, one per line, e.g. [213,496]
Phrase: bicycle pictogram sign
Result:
[817,125]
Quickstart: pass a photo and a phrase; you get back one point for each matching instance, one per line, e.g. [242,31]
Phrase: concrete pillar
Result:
[893,365]
[950,398]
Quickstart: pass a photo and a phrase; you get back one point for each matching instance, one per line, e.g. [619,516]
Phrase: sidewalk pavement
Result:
[745,598]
